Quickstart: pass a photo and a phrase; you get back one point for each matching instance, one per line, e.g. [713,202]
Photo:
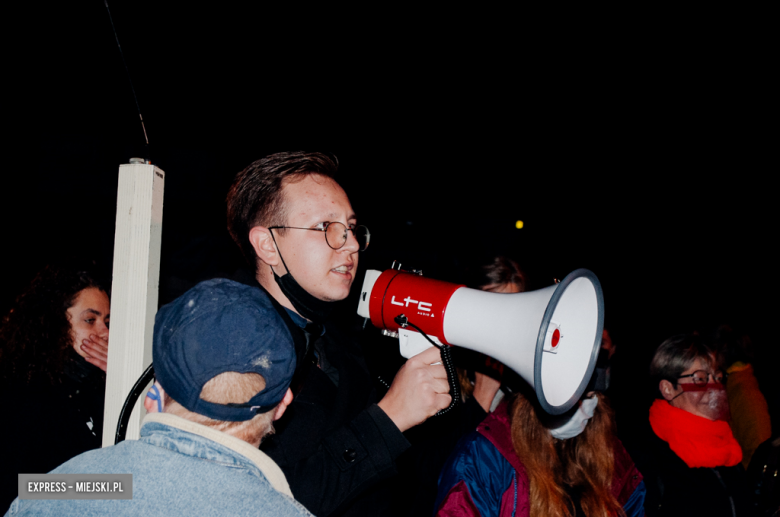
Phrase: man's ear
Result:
[155,401]
[288,397]
[667,389]
[263,244]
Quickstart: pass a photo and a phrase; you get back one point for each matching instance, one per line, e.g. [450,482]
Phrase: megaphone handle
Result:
[452,377]
[446,360]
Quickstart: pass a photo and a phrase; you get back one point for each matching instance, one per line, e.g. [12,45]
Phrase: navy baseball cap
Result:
[222,326]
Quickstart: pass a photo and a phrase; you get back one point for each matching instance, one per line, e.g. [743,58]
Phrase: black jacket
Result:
[45,425]
[334,443]
[674,489]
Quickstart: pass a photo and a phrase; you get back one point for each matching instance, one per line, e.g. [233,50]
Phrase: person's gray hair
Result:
[677,354]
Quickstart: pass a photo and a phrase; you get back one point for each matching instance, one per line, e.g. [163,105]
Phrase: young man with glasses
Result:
[296,227]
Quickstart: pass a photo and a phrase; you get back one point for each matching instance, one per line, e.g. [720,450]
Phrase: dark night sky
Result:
[644,156]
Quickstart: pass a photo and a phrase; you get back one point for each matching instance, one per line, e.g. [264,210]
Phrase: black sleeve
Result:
[333,443]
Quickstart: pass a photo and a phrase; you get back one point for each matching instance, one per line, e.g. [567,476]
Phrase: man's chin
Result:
[335,295]
[332,299]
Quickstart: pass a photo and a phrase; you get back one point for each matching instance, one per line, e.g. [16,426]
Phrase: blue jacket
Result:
[484,476]
[179,468]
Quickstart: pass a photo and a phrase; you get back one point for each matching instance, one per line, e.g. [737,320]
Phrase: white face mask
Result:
[578,420]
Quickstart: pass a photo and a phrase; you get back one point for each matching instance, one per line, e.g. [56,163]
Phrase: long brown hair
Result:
[584,464]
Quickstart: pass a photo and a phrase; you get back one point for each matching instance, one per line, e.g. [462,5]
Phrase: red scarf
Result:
[698,441]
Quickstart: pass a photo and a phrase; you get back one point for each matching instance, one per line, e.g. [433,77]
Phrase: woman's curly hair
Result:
[35,335]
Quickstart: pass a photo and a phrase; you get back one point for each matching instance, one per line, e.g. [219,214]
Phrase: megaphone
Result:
[550,337]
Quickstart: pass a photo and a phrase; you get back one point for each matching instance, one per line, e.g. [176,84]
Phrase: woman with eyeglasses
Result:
[691,461]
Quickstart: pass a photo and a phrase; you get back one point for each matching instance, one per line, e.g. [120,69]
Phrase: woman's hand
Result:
[96,349]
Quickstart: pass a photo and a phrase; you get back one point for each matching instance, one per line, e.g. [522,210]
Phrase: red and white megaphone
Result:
[550,337]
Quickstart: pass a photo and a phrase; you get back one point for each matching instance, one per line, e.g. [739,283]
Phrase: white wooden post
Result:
[134,290]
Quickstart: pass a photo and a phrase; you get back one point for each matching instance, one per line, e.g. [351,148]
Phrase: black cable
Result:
[127,408]
[130,80]
[446,360]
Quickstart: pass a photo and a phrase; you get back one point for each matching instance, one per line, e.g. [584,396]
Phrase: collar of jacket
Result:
[253,455]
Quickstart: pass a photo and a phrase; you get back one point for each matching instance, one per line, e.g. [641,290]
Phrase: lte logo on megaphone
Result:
[423,306]
[550,337]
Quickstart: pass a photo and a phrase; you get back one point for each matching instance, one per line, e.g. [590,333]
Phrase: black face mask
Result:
[308,306]
[600,379]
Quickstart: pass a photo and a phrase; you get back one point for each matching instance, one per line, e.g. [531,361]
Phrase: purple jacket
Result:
[485,477]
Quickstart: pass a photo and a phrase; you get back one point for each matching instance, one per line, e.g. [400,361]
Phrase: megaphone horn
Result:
[550,337]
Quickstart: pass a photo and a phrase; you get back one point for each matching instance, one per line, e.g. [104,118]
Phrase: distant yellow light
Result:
[519,224]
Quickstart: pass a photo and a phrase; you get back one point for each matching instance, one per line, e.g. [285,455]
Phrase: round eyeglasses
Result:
[336,234]
[700,377]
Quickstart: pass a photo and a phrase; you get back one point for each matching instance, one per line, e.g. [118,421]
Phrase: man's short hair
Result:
[228,388]
[255,197]
[677,354]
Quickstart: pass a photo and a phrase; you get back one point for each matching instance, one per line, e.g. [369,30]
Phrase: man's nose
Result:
[352,244]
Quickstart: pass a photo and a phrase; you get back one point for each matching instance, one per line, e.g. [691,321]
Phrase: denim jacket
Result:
[179,468]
